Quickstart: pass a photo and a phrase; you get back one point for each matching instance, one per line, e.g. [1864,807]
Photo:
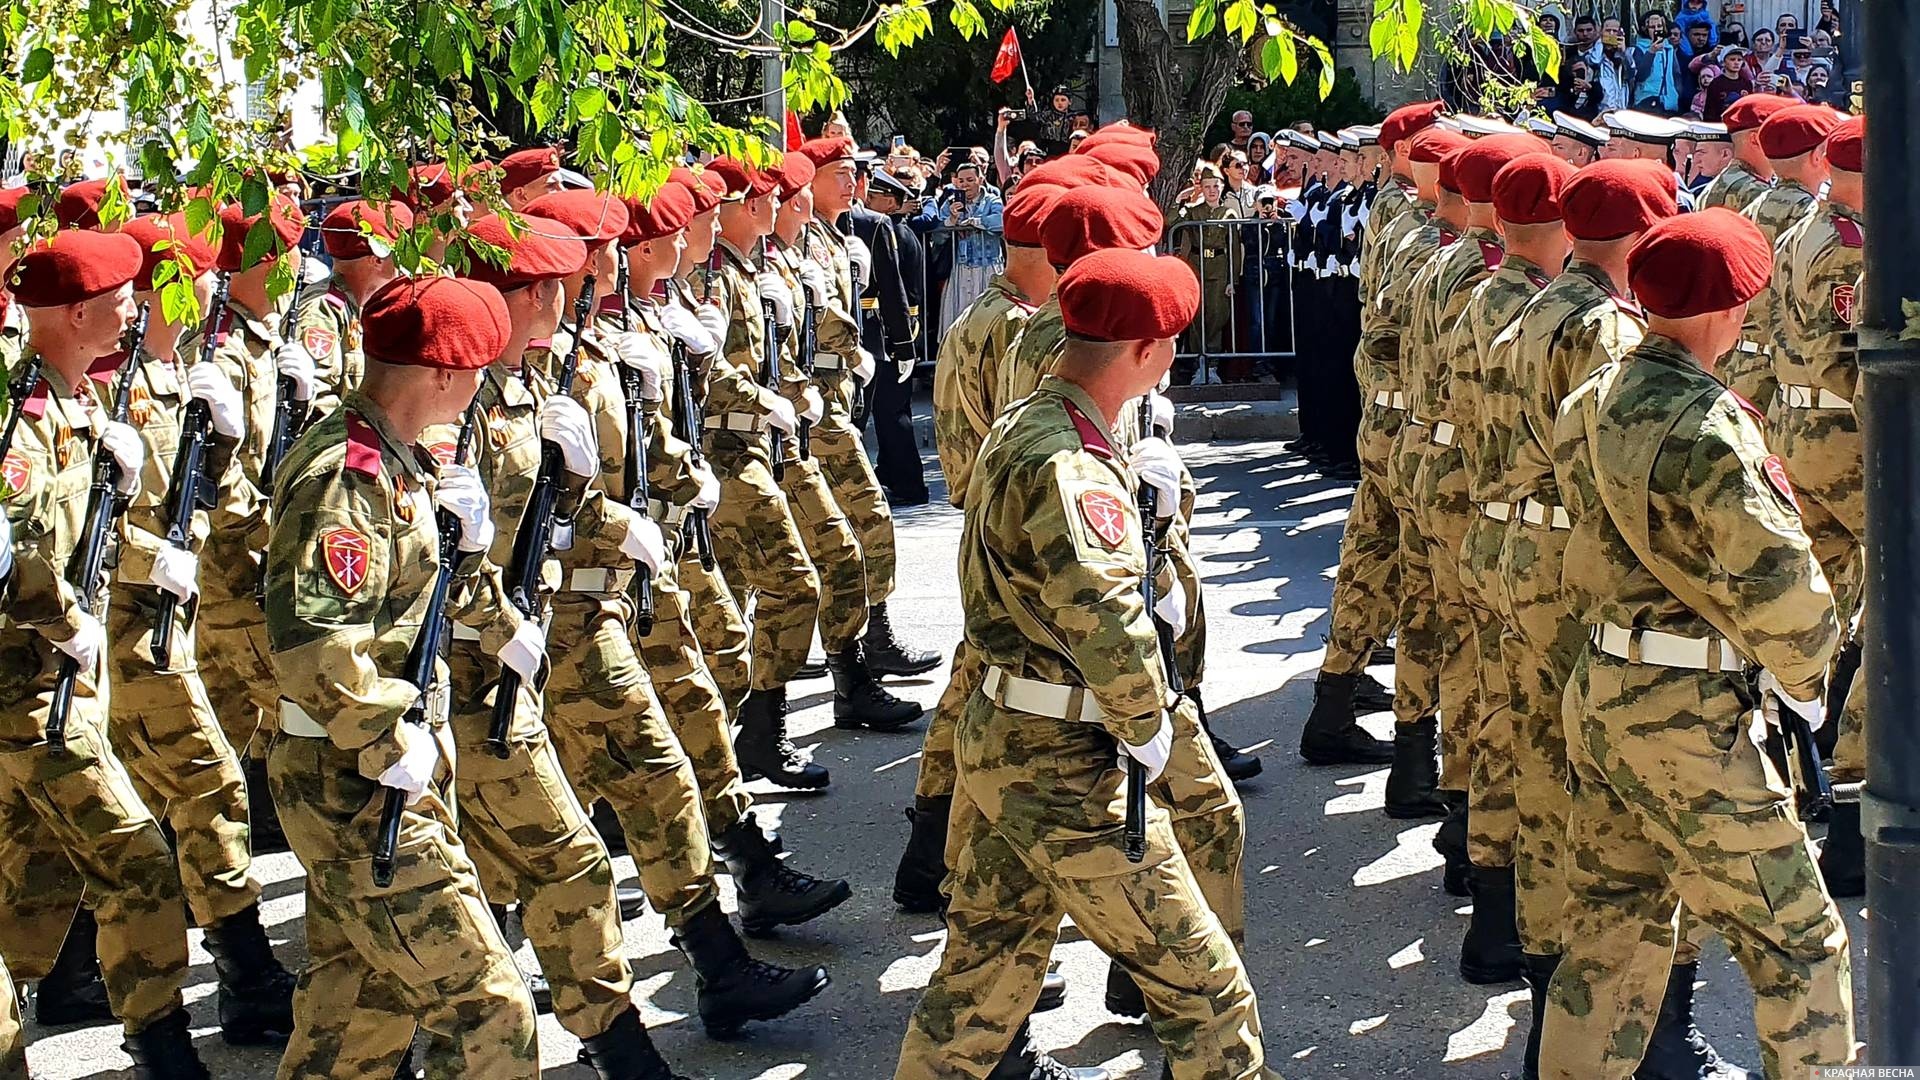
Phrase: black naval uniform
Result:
[887,333]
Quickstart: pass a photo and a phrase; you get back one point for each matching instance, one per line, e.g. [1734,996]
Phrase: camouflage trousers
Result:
[423,952]
[1035,835]
[1824,451]
[1365,586]
[532,844]
[616,744]
[1422,641]
[1432,532]
[837,446]
[718,627]
[693,702]
[13,1041]
[232,637]
[937,775]
[1209,821]
[1674,802]
[1493,815]
[74,824]
[760,551]
[162,728]
[834,551]
[1190,648]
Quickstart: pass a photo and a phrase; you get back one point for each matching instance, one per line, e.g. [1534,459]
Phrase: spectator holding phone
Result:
[971,210]
[1656,68]
[1736,81]
[1609,61]
[1766,51]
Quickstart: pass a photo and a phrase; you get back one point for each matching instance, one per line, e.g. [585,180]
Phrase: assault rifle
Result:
[23,389]
[190,488]
[637,492]
[770,378]
[289,415]
[687,424]
[1155,542]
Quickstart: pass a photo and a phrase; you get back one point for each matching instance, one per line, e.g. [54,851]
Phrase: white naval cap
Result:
[1575,128]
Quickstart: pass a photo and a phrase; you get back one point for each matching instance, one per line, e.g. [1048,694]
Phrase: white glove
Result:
[863,368]
[779,410]
[313,271]
[1160,412]
[566,424]
[1153,755]
[525,651]
[689,330]
[814,277]
[714,318]
[1813,712]
[176,571]
[709,496]
[419,759]
[128,452]
[637,351]
[644,544]
[773,288]
[6,547]
[812,407]
[1157,464]
[1171,607]
[206,382]
[86,646]
[862,260]
[295,362]
[460,493]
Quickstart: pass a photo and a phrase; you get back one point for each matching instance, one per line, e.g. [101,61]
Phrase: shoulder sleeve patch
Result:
[345,553]
[363,448]
[443,453]
[16,472]
[1776,471]
[1849,230]
[1106,517]
[1843,303]
[1089,432]
[1492,254]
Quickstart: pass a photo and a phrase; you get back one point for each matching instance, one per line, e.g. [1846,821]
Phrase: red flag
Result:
[794,135]
[1008,60]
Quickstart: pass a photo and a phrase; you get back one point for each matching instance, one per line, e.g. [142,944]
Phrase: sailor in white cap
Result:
[1577,141]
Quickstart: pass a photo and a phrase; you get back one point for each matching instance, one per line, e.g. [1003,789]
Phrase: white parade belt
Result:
[1667,650]
[599,580]
[1443,433]
[1535,512]
[737,421]
[826,361]
[295,721]
[1392,399]
[1498,511]
[1041,698]
[665,513]
[1812,397]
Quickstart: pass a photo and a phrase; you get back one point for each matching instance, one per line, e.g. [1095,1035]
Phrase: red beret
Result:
[1797,130]
[78,206]
[795,172]
[342,232]
[1136,160]
[1074,171]
[1526,190]
[151,230]
[523,167]
[1026,211]
[1753,110]
[1846,147]
[826,151]
[1429,146]
[595,218]
[742,180]
[1475,166]
[545,250]
[1088,219]
[282,214]
[1126,295]
[1611,199]
[437,322]
[428,185]
[665,214]
[10,207]
[1693,264]
[75,265]
[1118,133]
[705,197]
[1407,120]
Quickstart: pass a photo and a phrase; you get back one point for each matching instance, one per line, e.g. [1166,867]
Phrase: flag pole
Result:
[1023,60]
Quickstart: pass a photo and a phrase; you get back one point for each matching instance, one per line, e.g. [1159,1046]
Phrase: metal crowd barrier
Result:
[1246,293]
[939,248]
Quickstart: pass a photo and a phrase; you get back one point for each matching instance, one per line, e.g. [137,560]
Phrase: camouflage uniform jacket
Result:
[1748,370]
[327,325]
[1439,371]
[670,475]
[1493,407]
[232,566]
[1380,337]
[1735,188]
[1654,447]
[1573,326]
[796,371]
[1390,203]
[837,326]
[1031,356]
[1817,267]
[733,377]
[965,373]
[1051,559]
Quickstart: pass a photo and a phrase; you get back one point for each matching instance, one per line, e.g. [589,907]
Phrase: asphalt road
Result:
[1350,940]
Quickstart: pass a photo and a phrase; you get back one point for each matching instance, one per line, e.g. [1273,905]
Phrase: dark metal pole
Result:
[1889,402]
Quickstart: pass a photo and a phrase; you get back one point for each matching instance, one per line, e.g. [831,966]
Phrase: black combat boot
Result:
[886,655]
[264,833]
[1024,1061]
[1677,1050]
[1238,764]
[1451,843]
[163,1050]
[1370,695]
[625,1052]
[1846,668]
[1383,655]
[734,988]
[73,992]
[631,900]
[1539,974]
[1490,953]
[1331,737]
[923,866]
[256,992]
[771,893]
[538,988]
[763,748]
[607,824]
[1415,773]
[1053,992]
[859,701]
[1123,997]
[1843,856]
[811,670]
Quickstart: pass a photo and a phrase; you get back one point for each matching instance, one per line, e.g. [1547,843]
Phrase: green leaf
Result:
[588,101]
[38,66]
[1201,20]
[1270,59]
[1326,65]
[253,194]
[199,216]
[966,18]
[799,33]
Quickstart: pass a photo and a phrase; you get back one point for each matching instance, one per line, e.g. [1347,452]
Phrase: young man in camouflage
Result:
[72,819]
[1704,600]
[1037,808]
[326,314]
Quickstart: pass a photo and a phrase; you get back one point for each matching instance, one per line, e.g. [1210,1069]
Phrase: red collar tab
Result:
[1492,254]
[363,448]
[36,404]
[611,305]
[105,368]
[1089,432]
[1849,231]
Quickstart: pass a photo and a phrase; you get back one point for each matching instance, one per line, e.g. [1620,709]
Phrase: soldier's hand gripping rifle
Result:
[1155,543]
[422,662]
[632,389]
[687,426]
[190,488]
[1812,791]
[534,540]
[87,565]
[289,414]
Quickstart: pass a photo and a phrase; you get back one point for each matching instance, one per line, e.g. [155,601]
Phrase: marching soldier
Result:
[1703,599]
[72,817]
[1711,151]
[327,313]
[1748,173]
